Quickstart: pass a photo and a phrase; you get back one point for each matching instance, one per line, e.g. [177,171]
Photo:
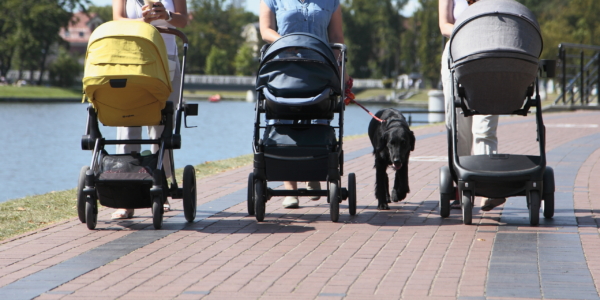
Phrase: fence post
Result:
[582,87]
[563,83]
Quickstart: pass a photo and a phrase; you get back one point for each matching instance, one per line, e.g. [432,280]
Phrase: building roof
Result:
[80,27]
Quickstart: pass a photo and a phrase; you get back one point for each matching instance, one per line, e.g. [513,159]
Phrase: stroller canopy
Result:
[298,69]
[126,75]
[491,26]
[494,50]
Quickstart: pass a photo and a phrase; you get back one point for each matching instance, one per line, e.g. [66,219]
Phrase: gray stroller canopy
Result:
[297,68]
[494,51]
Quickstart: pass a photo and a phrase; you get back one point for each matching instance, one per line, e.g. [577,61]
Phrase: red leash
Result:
[350,98]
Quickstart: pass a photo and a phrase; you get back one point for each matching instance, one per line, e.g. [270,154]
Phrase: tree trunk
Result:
[43,64]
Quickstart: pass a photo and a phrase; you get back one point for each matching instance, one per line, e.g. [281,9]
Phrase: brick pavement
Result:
[408,252]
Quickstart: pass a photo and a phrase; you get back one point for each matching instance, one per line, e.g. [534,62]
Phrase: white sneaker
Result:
[313,185]
[290,202]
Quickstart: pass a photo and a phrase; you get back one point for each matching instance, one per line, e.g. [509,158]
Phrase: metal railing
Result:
[579,67]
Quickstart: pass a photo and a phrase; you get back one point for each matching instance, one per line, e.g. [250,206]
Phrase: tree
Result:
[217,62]
[429,39]
[8,37]
[214,24]
[372,30]
[104,12]
[29,32]
[245,64]
[64,69]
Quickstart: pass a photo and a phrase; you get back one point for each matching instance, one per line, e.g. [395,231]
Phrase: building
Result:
[251,35]
[79,30]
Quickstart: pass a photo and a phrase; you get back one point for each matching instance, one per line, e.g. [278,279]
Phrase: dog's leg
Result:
[381,185]
[401,187]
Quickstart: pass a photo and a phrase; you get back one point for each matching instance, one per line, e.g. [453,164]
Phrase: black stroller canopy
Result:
[300,40]
[496,25]
[298,65]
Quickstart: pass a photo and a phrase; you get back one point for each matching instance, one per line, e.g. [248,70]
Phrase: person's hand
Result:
[348,91]
[156,12]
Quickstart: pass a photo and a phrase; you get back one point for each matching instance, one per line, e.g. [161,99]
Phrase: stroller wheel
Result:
[259,200]
[548,194]
[157,212]
[534,207]
[91,213]
[250,199]
[81,198]
[467,207]
[445,205]
[446,191]
[334,200]
[352,194]
[189,193]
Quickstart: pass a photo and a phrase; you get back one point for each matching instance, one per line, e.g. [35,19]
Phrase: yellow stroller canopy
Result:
[126,75]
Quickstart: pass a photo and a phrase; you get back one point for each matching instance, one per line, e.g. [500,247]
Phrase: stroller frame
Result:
[499,175]
[494,64]
[258,191]
[154,190]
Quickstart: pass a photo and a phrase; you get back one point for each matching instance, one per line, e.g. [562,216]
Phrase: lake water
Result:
[40,144]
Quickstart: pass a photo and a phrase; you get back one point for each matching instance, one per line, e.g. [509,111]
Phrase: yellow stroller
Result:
[127,82]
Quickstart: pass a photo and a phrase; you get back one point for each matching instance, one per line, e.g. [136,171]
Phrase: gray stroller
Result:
[494,62]
[299,81]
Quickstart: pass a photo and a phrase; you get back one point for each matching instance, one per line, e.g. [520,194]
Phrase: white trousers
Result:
[476,133]
[154,132]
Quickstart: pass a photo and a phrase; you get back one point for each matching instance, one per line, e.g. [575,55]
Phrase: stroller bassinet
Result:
[494,62]
[299,81]
[127,81]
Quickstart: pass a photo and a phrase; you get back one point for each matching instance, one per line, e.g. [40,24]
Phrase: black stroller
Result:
[127,81]
[494,51]
[298,81]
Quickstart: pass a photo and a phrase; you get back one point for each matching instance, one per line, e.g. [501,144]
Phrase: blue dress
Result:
[310,16]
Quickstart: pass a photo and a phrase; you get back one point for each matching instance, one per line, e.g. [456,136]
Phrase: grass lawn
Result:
[204,94]
[38,92]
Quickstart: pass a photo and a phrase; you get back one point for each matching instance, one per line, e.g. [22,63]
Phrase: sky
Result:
[252,5]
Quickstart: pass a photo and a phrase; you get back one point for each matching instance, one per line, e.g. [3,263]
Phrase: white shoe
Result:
[290,202]
[313,185]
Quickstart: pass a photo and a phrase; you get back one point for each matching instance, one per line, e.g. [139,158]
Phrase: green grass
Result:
[378,93]
[38,92]
[207,93]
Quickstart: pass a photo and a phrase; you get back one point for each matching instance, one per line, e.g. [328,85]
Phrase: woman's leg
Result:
[128,133]
[154,132]
[290,201]
[484,132]
[463,124]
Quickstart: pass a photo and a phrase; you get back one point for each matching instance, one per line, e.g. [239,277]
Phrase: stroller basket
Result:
[494,51]
[302,149]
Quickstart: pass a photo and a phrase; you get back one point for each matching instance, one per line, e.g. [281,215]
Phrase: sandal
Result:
[122,213]
[166,207]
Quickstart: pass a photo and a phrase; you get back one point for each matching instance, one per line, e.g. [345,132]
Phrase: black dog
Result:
[392,142]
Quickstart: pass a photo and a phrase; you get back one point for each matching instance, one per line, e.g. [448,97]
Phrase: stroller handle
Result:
[173,31]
